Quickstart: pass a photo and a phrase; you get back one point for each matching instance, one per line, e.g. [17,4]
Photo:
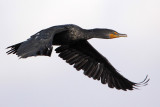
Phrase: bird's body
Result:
[71,34]
[76,50]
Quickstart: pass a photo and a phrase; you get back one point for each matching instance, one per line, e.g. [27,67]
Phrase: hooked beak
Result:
[111,36]
[122,35]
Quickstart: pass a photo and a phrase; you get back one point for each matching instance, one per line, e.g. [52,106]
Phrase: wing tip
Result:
[143,83]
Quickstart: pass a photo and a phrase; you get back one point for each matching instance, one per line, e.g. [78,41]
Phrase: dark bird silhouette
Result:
[76,50]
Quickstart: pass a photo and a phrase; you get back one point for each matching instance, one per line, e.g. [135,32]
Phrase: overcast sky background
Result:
[50,82]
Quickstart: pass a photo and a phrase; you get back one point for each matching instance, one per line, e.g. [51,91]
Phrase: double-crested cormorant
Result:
[76,50]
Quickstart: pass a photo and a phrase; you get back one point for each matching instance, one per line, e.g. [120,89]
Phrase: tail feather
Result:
[13,49]
[19,50]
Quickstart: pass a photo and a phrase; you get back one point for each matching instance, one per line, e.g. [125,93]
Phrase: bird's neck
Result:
[93,33]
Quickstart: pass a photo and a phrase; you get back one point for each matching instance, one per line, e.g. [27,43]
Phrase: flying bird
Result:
[77,51]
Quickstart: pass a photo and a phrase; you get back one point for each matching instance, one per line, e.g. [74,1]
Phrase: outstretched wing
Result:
[83,56]
[38,44]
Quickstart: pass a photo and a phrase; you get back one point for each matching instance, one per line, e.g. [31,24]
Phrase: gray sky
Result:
[49,82]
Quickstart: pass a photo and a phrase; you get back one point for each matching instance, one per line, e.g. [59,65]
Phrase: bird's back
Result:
[72,34]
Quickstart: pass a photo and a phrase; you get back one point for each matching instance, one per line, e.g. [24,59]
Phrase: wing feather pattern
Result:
[84,57]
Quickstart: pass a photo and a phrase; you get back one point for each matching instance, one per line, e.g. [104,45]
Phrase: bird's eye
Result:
[115,33]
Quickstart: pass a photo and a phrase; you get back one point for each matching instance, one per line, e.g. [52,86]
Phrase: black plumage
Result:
[76,50]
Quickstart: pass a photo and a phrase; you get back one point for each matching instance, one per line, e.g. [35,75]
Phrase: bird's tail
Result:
[14,48]
[23,51]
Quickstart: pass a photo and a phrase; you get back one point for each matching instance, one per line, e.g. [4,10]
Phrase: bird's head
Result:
[107,33]
[113,34]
